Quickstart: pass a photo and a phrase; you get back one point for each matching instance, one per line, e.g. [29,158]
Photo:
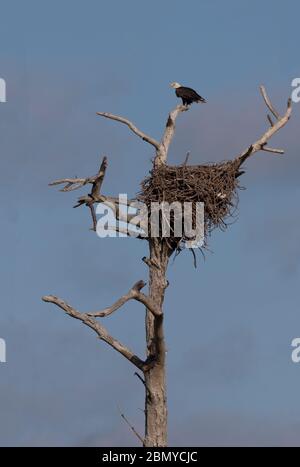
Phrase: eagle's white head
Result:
[175,85]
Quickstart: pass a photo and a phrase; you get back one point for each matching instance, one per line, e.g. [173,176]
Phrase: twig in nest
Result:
[186,158]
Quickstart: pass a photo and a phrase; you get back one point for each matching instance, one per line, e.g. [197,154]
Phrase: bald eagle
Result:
[187,95]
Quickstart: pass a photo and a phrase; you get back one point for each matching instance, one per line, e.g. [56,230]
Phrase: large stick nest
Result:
[216,185]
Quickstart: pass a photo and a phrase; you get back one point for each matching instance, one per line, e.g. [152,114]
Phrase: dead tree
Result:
[214,184]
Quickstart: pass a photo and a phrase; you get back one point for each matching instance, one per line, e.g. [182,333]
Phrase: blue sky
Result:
[229,324]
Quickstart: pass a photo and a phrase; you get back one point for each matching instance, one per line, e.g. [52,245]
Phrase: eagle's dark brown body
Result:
[188,95]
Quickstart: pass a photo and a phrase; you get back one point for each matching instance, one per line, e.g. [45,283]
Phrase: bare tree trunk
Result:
[154,367]
[155,377]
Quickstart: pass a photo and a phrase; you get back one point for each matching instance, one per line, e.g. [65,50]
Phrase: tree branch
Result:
[133,294]
[162,153]
[268,102]
[260,144]
[75,183]
[95,196]
[270,120]
[132,127]
[131,427]
[94,218]
[71,183]
[161,147]
[140,378]
[274,150]
[100,331]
